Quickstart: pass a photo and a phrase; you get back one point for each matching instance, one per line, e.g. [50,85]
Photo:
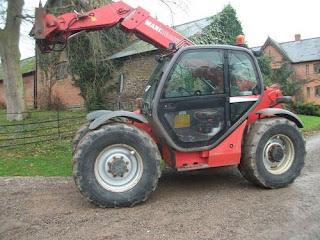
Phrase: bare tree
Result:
[10,59]
[48,67]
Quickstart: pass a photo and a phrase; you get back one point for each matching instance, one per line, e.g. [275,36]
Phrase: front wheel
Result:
[273,153]
[82,131]
[117,165]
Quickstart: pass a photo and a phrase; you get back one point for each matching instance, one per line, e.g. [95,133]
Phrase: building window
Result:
[317,68]
[317,91]
[62,70]
[308,92]
[307,70]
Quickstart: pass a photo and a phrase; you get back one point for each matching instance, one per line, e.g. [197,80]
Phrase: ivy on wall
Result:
[266,70]
[88,64]
[223,30]
[86,53]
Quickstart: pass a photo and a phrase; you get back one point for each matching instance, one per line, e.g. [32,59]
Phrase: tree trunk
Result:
[10,59]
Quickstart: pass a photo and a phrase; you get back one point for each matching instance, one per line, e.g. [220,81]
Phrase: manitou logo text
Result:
[162,31]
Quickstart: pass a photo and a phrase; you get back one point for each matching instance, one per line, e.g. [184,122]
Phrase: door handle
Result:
[170,106]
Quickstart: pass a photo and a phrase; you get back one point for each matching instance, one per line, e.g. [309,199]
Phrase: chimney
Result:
[297,37]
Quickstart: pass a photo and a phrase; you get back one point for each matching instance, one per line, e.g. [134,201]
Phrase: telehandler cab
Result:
[204,106]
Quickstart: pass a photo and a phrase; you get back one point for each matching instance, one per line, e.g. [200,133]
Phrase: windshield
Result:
[151,87]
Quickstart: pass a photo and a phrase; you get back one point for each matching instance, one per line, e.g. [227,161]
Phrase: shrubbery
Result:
[223,30]
[306,108]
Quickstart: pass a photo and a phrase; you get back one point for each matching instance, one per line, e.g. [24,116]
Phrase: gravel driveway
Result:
[210,204]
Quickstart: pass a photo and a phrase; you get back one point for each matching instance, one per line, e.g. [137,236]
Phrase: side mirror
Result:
[172,46]
[119,84]
[284,99]
[158,58]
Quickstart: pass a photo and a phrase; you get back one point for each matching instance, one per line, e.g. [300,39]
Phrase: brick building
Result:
[304,56]
[63,89]
[28,75]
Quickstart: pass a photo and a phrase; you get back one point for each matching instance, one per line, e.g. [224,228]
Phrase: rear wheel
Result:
[117,165]
[273,153]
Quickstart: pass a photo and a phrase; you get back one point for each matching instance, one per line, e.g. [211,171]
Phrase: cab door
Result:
[205,94]
[245,89]
[194,102]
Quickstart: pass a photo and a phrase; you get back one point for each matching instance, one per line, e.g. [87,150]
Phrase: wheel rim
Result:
[278,154]
[118,168]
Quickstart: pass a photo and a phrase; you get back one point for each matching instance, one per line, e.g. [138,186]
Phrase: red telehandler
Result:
[204,106]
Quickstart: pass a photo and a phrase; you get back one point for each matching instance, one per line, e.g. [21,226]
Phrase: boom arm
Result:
[50,30]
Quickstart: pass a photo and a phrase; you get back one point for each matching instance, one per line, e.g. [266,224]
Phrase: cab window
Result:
[242,74]
[243,84]
[196,73]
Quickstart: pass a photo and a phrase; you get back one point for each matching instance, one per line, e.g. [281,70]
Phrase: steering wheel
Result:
[196,93]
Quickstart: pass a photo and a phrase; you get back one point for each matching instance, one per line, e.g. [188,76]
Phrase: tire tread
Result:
[103,131]
[247,166]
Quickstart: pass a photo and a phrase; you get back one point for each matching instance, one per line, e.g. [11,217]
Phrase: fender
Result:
[95,114]
[281,113]
[103,118]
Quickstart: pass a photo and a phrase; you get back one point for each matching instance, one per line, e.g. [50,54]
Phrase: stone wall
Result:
[137,70]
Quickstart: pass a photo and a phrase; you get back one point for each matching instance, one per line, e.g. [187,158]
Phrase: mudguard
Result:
[103,118]
[281,113]
[95,114]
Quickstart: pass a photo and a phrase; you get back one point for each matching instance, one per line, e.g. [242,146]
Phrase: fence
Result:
[42,126]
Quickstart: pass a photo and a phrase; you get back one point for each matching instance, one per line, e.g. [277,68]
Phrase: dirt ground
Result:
[210,204]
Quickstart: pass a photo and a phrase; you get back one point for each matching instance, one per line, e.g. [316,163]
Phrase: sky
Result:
[279,19]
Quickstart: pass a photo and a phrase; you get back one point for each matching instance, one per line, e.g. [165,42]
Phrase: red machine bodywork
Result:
[51,29]
[268,100]
[228,152]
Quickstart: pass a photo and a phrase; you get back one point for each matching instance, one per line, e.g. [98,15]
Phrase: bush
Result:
[306,108]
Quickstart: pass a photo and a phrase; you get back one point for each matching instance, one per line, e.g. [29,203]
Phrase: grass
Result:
[311,123]
[53,158]
[44,158]
[38,116]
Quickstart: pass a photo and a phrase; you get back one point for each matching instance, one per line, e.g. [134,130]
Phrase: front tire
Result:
[117,165]
[82,131]
[273,153]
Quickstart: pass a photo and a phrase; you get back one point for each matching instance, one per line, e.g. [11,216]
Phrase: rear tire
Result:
[273,153]
[117,165]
